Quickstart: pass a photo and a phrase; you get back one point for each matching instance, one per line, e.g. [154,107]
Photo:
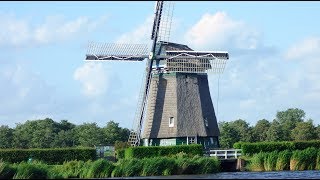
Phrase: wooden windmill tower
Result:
[175,105]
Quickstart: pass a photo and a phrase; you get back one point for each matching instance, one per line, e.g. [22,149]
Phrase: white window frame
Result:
[171,121]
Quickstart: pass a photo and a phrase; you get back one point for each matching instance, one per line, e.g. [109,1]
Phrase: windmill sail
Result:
[165,58]
[134,137]
[111,51]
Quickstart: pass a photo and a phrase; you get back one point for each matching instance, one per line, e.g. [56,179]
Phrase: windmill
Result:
[175,105]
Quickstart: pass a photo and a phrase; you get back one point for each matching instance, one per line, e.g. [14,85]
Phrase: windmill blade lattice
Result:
[166,21]
[112,51]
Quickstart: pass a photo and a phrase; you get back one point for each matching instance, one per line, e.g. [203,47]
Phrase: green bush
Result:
[155,151]
[238,145]
[301,145]
[252,148]
[49,156]
[120,153]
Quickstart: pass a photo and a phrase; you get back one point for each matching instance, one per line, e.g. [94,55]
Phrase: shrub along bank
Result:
[180,163]
[307,159]
[252,148]
[49,156]
[159,151]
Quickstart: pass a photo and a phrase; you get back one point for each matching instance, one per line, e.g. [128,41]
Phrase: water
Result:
[243,175]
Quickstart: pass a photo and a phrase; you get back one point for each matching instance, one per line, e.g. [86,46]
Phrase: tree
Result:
[22,135]
[36,134]
[318,131]
[260,130]
[244,131]
[65,125]
[43,133]
[274,133]
[228,135]
[6,136]
[113,133]
[304,131]
[288,120]
[64,139]
[88,135]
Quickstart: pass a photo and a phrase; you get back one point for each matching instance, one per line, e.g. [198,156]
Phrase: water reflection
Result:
[243,175]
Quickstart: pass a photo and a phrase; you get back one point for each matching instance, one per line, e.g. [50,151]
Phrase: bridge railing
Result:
[225,153]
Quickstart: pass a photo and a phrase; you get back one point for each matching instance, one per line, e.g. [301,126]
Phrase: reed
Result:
[208,165]
[35,170]
[127,168]
[283,161]
[158,166]
[256,163]
[304,159]
[270,161]
[71,169]
[318,160]
[100,169]
[6,171]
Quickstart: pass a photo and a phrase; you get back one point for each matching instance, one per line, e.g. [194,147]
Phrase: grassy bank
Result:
[307,159]
[172,165]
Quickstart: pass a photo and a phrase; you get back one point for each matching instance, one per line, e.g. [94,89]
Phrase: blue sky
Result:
[273,46]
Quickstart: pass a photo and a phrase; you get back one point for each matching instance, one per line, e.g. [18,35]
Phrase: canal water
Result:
[242,175]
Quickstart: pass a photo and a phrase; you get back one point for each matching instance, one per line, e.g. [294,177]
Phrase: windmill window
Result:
[171,121]
[205,121]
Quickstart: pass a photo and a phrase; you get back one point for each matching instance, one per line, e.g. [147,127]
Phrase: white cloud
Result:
[307,48]
[19,32]
[141,34]
[23,94]
[258,87]
[93,78]
[306,53]
[220,31]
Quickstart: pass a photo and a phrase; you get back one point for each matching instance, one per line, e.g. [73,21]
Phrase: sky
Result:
[274,64]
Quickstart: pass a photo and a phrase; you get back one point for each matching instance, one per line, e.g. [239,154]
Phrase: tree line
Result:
[288,125]
[46,133]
